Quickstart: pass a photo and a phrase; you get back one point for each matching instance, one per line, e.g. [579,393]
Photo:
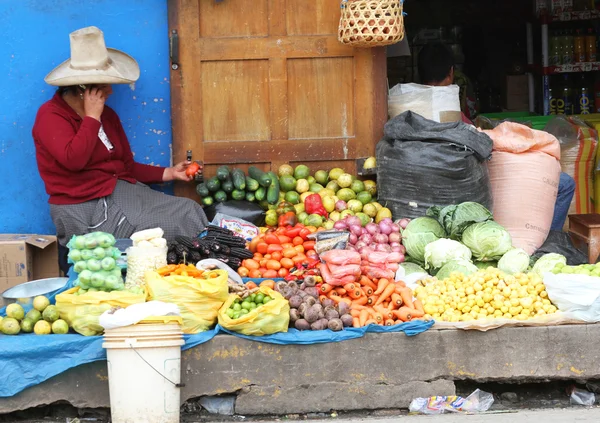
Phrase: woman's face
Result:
[106,89]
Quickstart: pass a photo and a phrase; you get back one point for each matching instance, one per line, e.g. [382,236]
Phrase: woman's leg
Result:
[566,190]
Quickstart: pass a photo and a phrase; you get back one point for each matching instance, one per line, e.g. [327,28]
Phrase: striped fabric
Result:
[130,208]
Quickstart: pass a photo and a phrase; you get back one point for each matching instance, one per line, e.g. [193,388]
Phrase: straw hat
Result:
[92,62]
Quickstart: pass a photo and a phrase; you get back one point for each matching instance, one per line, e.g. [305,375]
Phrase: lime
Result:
[60,327]
[230,313]
[244,311]
[252,306]
[315,187]
[301,172]
[321,177]
[346,194]
[311,180]
[302,217]
[42,328]
[33,315]
[260,298]
[15,311]
[285,169]
[371,187]
[235,316]
[364,218]
[237,307]
[287,183]
[345,180]
[302,186]
[27,325]
[252,297]
[357,186]
[333,185]
[292,197]
[370,210]
[335,173]
[355,205]
[246,305]
[314,220]
[364,197]
[51,314]
[10,326]
[267,299]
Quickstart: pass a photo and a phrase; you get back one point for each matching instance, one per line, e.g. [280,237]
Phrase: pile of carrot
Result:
[375,301]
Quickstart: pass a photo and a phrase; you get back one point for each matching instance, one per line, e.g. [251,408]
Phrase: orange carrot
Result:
[396,299]
[332,294]
[349,287]
[340,291]
[355,322]
[354,312]
[362,300]
[355,294]
[378,317]
[407,298]
[337,299]
[370,322]
[384,311]
[387,292]
[363,317]
[367,290]
[406,314]
[398,322]
[381,286]
[364,281]
[401,283]
[419,305]
[389,322]
[326,288]
[322,297]
[372,299]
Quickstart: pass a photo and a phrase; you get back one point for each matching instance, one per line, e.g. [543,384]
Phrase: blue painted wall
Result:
[35,39]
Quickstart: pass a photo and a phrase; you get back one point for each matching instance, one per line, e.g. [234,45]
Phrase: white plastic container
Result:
[144,371]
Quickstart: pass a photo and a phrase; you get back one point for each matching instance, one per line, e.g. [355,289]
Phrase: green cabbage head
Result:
[440,252]
[487,240]
[459,265]
[547,262]
[420,232]
[514,261]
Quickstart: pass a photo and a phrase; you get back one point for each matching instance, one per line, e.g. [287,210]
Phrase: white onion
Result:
[394,237]
[353,239]
[372,228]
[340,225]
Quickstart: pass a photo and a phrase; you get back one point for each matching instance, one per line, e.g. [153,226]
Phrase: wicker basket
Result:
[371,23]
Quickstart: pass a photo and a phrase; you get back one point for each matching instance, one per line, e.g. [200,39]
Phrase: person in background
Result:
[86,162]
[436,68]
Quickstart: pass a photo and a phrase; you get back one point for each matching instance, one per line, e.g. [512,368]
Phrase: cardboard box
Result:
[516,96]
[26,257]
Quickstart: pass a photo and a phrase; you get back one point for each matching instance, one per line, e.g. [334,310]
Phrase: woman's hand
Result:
[177,173]
[93,102]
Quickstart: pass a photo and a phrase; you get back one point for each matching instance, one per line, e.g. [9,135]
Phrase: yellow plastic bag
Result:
[199,300]
[267,319]
[82,312]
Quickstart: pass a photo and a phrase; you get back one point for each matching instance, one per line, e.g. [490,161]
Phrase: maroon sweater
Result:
[74,164]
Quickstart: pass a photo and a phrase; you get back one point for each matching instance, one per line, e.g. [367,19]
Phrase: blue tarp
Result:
[28,359]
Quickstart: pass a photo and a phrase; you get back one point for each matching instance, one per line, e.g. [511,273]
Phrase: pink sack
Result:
[341,257]
[331,280]
[524,173]
[341,271]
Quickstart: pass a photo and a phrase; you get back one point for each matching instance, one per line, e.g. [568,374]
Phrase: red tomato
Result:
[262,247]
[272,239]
[270,274]
[283,272]
[274,247]
[309,245]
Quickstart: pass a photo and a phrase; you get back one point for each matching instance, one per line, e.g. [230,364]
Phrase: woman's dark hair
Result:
[435,63]
[73,89]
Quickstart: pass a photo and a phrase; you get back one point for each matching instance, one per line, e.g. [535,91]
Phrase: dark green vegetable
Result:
[262,178]
[220,196]
[260,193]
[251,184]
[238,194]
[273,191]
[250,197]
[202,190]
[213,184]
[239,179]
[227,185]
[207,201]
[223,172]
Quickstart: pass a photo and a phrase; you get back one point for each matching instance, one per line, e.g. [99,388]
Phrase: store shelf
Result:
[584,15]
[573,68]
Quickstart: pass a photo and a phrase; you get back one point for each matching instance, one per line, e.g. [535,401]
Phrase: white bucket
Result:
[144,372]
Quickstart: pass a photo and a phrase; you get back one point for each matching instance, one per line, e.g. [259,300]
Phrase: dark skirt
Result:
[130,208]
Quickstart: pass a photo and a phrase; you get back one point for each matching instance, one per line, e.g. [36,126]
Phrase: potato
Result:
[335,325]
[302,324]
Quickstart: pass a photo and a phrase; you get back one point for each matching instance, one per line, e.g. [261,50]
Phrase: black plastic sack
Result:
[422,163]
[250,212]
[560,243]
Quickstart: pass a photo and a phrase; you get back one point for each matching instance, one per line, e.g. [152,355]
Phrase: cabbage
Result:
[459,265]
[547,262]
[483,265]
[456,218]
[487,240]
[443,251]
[420,232]
[410,268]
[514,261]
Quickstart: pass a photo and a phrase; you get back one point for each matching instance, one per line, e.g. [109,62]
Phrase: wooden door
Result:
[266,82]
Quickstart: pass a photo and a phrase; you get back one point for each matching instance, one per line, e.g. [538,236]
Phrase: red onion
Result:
[385,228]
[356,230]
[353,239]
[351,247]
[340,205]
[395,228]
[381,238]
[360,244]
[384,248]
[353,220]
[396,248]
[394,257]
[366,238]
[372,228]
[394,237]
[403,223]
[364,231]
[340,225]
[402,258]
[386,221]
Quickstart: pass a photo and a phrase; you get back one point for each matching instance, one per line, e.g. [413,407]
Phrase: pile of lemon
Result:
[484,295]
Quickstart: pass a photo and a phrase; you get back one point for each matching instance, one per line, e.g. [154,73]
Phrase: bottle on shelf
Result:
[567,97]
[583,99]
[590,46]
[597,95]
[567,48]
[552,100]
[579,43]
[555,58]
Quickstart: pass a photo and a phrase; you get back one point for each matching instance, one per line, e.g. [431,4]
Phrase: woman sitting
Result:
[85,159]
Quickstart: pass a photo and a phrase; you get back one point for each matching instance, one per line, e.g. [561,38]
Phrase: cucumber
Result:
[238,194]
[223,172]
[202,190]
[239,179]
[207,201]
[260,194]
[273,191]
[250,196]
[213,184]
[262,177]
[220,196]
[251,184]
[227,185]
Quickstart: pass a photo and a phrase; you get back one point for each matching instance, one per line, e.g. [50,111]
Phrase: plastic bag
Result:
[582,397]
[421,163]
[478,402]
[199,300]
[440,104]
[245,210]
[142,259]
[239,227]
[82,312]
[341,257]
[330,240]
[561,243]
[267,319]
[136,313]
[577,296]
